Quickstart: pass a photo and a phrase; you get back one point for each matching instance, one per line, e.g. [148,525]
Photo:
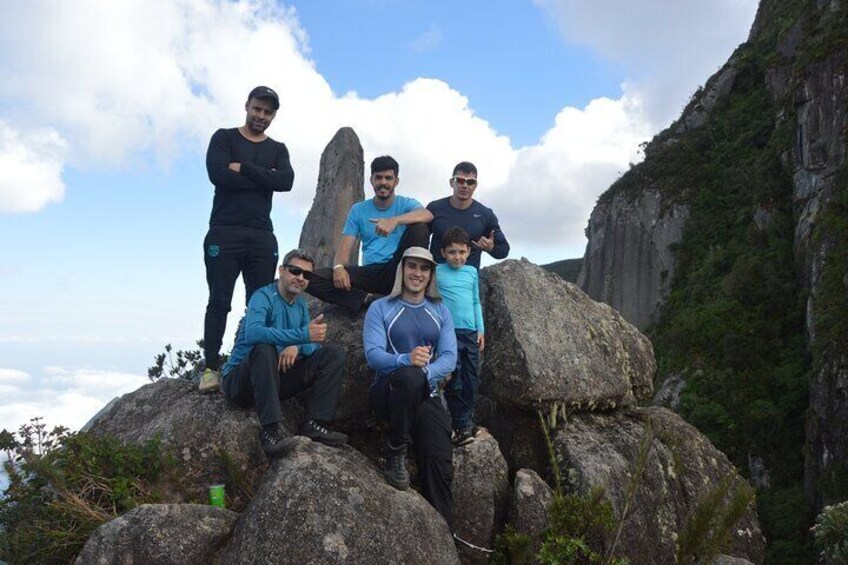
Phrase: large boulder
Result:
[480,495]
[164,534]
[321,505]
[213,441]
[551,344]
[681,472]
[340,186]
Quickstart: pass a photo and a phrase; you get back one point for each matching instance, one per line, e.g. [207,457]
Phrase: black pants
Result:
[403,399]
[378,278]
[461,392]
[228,251]
[258,382]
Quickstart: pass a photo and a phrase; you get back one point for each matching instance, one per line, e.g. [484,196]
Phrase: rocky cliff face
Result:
[796,57]
[629,263]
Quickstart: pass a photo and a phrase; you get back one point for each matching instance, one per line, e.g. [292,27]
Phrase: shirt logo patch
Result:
[213,250]
[478,215]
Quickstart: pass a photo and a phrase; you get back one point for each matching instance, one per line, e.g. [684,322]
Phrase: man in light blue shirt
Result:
[387,225]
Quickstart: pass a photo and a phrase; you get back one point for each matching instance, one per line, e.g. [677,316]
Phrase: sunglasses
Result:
[463,180]
[297,271]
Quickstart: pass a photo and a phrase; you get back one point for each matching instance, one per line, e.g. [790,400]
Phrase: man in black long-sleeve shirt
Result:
[246,167]
[460,209]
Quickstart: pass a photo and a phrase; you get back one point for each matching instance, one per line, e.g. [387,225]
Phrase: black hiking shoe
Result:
[276,440]
[395,472]
[465,435]
[321,433]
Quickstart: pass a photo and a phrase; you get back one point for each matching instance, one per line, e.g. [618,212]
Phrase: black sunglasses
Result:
[297,271]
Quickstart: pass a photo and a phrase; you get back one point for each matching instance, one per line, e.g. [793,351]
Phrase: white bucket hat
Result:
[432,290]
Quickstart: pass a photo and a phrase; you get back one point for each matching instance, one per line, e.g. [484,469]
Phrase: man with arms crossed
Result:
[410,344]
[387,225]
[276,357]
[246,167]
[461,210]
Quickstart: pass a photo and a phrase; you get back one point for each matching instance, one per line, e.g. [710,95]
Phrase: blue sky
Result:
[106,109]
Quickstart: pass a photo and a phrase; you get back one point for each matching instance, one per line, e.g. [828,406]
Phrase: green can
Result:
[216,496]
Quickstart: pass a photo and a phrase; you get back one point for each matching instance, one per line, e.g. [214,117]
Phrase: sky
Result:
[106,109]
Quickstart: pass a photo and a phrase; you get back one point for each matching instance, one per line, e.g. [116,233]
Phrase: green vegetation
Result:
[708,530]
[568,269]
[189,363]
[64,485]
[734,321]
[831,534]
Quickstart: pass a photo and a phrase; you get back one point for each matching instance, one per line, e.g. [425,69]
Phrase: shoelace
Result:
[320,428]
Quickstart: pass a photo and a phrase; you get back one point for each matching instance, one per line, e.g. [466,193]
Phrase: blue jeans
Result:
[461,392]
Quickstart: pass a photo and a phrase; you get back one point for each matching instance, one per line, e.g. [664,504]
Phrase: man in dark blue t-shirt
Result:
[247,167]
[461,210]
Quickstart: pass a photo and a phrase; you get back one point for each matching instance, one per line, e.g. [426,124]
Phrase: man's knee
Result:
[263,352]
[408,381]
[418,234]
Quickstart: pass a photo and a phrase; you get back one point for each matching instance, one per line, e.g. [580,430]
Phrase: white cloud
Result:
[667,47]
[62,396]
[12,376]
[427,41]
[32,165]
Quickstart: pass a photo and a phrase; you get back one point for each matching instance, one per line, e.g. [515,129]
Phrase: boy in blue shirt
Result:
[460,289]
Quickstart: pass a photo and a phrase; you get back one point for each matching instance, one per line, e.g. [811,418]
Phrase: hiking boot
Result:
[319,432]
[276,440]
[395,471]
[209,381]
[465,435]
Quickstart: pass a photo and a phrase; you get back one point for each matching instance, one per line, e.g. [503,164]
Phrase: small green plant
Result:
[64,485]
[189,363]
[831,534]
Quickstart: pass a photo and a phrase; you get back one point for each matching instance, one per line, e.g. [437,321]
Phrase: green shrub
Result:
[831,534]
[64,485]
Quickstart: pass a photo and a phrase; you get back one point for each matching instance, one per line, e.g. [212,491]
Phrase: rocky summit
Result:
[331,505]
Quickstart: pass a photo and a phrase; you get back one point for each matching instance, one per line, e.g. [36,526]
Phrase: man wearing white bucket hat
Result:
[411,345]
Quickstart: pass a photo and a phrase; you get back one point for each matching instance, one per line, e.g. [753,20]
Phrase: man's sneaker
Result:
[395,471]
[465,435]
[319,432]
[276,440]
[209,381]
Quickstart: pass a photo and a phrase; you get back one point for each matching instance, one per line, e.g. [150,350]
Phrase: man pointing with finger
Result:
[461,210]
[387,225]
[277,355]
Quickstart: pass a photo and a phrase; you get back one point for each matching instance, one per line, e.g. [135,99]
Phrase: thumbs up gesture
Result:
[317,329]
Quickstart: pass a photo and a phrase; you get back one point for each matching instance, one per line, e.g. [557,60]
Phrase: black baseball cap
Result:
[265,92]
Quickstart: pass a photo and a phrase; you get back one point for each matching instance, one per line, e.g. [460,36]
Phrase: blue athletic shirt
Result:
[272,320]
[394,327]
[377,249]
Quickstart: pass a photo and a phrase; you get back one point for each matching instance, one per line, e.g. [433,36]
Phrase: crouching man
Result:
[411,345]
[276,356]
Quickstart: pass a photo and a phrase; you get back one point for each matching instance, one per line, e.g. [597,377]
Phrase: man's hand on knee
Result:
[287,358]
